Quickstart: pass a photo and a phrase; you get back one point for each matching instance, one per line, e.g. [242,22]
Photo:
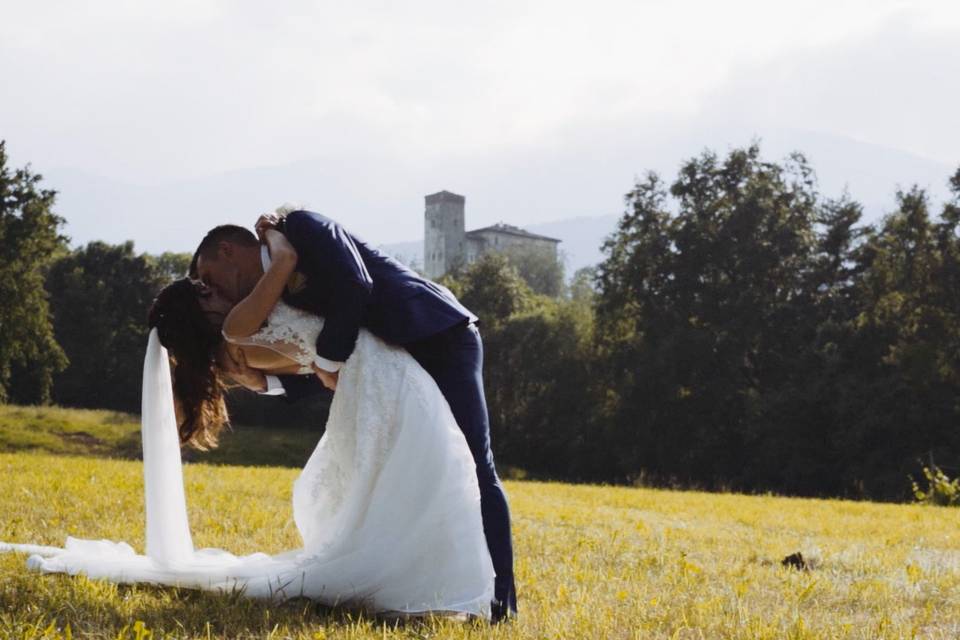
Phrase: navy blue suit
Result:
[352,285]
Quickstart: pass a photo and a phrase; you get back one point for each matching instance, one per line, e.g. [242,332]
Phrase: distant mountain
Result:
[409,253]
[870,173]
[573,191]
[582,239]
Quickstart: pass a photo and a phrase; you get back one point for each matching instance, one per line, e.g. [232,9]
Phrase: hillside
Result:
[109,434]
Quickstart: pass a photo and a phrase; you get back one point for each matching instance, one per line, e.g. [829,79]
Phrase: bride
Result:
[387,506]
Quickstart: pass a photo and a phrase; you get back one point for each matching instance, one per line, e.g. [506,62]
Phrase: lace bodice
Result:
[289,331]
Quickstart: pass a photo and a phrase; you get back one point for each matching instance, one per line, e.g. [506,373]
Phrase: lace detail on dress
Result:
[362,426]
[350,458]
[290,332]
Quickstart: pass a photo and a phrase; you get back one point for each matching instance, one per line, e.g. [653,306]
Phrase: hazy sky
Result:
[150,93]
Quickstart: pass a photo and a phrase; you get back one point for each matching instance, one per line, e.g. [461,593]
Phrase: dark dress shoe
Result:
[501,611]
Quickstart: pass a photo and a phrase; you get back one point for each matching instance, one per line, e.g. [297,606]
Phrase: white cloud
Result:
[175,89]
[893,87]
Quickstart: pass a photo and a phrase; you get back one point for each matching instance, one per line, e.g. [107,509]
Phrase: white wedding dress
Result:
[387,506]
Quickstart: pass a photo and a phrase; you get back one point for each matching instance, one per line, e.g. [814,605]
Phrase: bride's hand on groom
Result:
[329,379]
[280,248]
[266,222]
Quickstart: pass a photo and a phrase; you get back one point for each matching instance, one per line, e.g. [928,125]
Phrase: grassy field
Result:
[592,562]
[109,434]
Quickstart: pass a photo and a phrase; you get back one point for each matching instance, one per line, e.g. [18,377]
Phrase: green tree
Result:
[582,288]
[703,314]
[170,265]
[903,372]
[492,288]
[536,361]
[29,238]
[99,295]
[540,268]
[542,395]
[743,331]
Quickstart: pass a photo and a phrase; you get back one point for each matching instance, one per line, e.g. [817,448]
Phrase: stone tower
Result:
[444,237]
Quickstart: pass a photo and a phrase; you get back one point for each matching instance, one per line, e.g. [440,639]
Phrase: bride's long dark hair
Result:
[192,342]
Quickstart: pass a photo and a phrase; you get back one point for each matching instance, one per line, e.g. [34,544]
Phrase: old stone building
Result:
[447,243]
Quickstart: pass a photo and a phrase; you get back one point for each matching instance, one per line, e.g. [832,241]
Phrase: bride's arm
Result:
[248,315]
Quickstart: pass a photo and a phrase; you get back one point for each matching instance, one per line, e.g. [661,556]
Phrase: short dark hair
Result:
[224,232]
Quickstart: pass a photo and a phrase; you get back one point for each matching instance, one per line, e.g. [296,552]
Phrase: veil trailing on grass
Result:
[170,557]
[387,506]
[167,531]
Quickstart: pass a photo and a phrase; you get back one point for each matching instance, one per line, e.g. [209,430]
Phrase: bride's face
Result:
[214,304]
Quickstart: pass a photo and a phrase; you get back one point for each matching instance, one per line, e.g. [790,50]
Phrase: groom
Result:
[352,285]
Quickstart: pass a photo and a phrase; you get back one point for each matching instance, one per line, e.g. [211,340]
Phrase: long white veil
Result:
[170,557]
[168,532]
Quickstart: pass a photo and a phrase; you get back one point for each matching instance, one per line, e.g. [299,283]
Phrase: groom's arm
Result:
[327,251]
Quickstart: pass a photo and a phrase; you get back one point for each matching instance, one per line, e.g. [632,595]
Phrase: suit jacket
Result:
[353,285]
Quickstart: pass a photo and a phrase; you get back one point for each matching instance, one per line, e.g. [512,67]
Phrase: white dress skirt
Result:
[387,506]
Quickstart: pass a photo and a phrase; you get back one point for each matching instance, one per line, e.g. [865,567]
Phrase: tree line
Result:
[744,331]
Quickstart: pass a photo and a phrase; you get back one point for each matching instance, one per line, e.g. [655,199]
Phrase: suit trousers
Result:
[454,358]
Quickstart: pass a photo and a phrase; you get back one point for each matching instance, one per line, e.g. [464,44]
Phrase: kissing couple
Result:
[399,506]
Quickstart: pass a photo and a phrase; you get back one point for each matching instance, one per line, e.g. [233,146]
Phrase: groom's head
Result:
[228,261]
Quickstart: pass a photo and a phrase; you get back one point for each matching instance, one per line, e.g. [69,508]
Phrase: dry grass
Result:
[111,434]
[593,562]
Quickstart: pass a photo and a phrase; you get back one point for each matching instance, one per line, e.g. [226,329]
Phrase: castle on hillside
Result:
[446,242]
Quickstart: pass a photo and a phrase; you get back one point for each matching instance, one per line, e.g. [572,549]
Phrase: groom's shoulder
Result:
[310,225]
[304,226]
[303,216]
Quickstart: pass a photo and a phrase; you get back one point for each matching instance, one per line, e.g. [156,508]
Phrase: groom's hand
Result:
[328,379]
